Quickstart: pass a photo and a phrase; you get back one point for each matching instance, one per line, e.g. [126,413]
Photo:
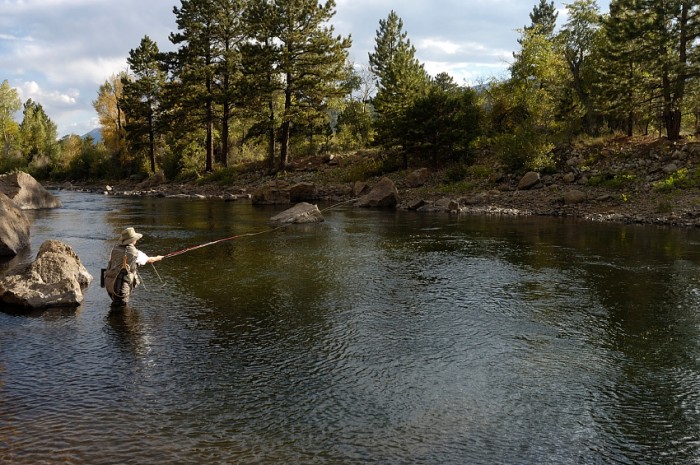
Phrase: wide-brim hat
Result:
[129,235]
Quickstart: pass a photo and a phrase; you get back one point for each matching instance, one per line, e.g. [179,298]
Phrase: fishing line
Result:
[239,236]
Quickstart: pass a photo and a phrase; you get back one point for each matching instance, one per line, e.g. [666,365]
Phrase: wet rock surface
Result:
[27,192]
[14,228]
[55,279]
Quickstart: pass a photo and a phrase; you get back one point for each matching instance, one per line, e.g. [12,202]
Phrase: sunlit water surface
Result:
[374,337]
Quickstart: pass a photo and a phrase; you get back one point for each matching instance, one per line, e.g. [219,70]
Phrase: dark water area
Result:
[374,337]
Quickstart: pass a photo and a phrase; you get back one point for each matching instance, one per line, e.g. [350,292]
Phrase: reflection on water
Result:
[374,337]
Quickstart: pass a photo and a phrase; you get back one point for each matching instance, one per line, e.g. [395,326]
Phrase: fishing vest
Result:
[122,265]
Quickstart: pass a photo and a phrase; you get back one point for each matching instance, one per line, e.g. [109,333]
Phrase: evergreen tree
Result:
[664,34]
[544,16]
[142,97]
[229,35]
[261,84]
[580,38]
[195,67]
[443,122]
[401,78]
[621,75]
[311,61]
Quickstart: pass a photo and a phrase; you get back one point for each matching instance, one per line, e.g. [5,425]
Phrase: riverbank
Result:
[641,180]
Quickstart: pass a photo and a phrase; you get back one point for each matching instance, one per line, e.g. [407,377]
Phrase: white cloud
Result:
[68,48]
[441,46]
[32,90]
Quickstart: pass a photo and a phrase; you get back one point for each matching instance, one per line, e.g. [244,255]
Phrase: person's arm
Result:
[142,258]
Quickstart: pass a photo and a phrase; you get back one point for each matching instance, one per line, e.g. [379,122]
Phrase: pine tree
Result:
[401,78]
[619,84]
[229,33]
[664,36]
[142,97]
[580,38]
[544,16]
[195,66]
[311,60]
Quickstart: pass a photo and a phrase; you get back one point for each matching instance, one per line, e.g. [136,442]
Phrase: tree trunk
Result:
[272,138]
[286,125]
[224,134]
[151,143]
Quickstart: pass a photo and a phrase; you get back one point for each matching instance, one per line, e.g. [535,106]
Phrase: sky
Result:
[59,52]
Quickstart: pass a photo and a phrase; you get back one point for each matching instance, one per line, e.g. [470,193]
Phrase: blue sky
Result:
[58,52]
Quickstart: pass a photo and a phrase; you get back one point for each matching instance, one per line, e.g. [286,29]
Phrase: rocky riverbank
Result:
[626,180]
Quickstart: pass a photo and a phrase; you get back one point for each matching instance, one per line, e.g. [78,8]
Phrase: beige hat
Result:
[129,235]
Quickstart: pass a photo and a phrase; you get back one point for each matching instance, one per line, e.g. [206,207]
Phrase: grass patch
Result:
[616,181]
[681,179]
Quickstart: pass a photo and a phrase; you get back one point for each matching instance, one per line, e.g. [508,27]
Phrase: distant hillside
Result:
[96,135]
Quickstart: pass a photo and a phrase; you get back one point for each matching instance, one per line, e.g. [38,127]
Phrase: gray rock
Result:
[416,204]
[360,188]
[418,177]
[303,192]
[300,213]
[528,181]
[670,168]
[14,228]
[55,279]
[26,192]
[573,197]
[383,195]
[569,178]
[272,193]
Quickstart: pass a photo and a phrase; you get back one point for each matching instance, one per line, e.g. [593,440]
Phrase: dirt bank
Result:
[641,180]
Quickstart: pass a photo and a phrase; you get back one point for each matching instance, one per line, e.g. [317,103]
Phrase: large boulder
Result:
[573,197]
[272,193]
[383,195]
[528,181]
[303,192]
[55,279]
[418,177]
[26,192]
[14,228]
[299,214]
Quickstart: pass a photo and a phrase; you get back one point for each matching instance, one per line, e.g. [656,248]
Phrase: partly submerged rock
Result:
[26,192]
[299,214]
[14,228]
[55,279]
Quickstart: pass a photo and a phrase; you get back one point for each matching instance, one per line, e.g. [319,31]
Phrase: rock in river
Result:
[55,279]
[26,192]
[300,213]
[14,228]
[383,195]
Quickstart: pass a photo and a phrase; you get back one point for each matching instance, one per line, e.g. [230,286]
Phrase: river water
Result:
[374,337]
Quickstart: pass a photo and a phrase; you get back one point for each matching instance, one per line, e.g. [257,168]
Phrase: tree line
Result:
[264,81]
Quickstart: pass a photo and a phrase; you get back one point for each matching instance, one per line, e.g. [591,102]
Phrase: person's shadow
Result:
[126,328]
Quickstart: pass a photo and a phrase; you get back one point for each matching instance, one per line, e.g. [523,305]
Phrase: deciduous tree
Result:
[10,103]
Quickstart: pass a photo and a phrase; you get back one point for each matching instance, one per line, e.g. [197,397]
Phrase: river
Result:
[374,337]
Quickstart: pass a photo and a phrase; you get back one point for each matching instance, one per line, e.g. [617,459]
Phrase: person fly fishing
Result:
[121,275]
